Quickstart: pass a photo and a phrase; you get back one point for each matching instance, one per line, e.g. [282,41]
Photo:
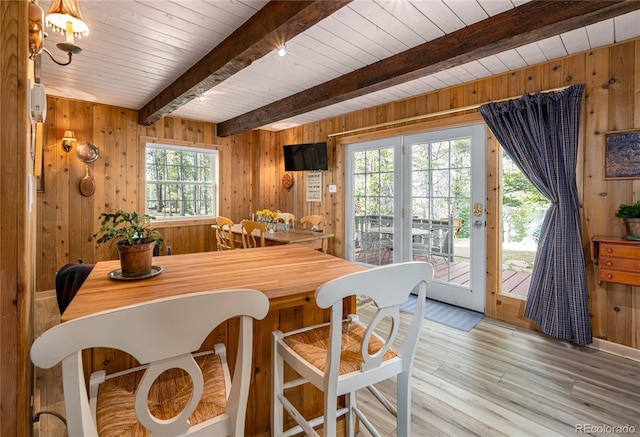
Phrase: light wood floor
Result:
[496,380]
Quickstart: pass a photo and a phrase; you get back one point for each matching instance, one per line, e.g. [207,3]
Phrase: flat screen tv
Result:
[311,156]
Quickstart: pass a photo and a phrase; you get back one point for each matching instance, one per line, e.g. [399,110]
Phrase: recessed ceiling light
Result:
[282,51]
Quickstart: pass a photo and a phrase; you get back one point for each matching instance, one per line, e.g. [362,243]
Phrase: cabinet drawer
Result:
[617,250]
[619,277]
[631,265]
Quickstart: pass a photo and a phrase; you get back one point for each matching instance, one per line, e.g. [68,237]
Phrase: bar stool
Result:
[174,391]
[343,356]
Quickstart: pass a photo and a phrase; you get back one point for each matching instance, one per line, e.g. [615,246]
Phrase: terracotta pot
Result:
[633,228]
[136,260]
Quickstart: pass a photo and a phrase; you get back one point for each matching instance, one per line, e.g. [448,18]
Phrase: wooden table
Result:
[287,274]
[292,236]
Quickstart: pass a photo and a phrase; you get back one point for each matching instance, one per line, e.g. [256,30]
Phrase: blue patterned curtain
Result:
[540,134]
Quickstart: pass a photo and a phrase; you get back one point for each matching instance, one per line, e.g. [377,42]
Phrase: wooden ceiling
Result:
[160,56]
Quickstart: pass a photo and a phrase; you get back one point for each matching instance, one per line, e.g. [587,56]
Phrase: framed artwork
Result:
[622,154]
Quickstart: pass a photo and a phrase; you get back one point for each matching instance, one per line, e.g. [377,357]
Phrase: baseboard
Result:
[616,349]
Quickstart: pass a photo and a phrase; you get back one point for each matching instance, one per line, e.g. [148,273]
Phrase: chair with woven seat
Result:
[224,236]
[316,223]
[249,238]
[335,358]
[174,391]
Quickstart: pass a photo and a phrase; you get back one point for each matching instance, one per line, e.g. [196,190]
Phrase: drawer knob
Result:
[609,276]
[609,263]
[609,250]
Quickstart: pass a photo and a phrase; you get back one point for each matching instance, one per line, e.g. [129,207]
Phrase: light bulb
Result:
[282,51]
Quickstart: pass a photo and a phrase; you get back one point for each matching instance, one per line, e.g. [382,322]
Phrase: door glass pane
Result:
[440,207]
[374,205]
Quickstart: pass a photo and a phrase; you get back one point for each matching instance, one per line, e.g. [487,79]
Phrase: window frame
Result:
[172,145]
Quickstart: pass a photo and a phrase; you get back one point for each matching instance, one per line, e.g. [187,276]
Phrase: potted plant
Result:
[631,216]
[135,239]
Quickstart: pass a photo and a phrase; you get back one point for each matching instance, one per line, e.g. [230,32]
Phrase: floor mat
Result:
[445,314]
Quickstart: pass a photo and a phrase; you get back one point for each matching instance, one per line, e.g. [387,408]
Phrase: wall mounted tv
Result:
[311,156]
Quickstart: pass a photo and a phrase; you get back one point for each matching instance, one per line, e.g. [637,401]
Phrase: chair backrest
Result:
[286,218]
[163,334]
[439,239]
[224,235]
[69,279]
[389,287]
[249,238]
[316,223]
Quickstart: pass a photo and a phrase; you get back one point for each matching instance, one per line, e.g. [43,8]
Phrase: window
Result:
[181,182]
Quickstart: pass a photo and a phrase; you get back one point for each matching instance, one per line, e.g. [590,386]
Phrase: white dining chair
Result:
[174,391]
[345,355]
[286,218]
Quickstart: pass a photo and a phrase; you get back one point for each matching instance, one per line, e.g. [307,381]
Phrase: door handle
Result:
[477,224]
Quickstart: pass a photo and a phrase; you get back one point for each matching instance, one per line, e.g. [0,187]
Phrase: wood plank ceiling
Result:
[160,56]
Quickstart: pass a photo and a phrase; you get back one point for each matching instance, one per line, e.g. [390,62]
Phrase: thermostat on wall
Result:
[37,103]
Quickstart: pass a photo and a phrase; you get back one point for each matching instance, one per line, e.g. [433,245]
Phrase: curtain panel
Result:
[539,132]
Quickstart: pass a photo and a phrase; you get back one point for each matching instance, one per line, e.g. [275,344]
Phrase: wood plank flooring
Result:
[496,380]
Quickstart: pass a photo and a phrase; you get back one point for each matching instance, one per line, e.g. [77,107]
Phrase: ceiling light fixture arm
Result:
[44,49]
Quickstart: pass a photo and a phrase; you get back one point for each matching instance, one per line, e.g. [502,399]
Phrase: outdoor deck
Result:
[513,282]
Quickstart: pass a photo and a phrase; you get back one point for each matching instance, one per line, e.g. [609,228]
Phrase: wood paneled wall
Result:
[252,168]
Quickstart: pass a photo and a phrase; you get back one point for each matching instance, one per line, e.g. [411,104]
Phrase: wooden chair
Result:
[286,218]
[248,237]
[174,391]
[334,357]
[316,223]
[224,235]
[313,223]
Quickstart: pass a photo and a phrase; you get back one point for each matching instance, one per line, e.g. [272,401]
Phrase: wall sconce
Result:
[68,140]
[64,17]
[36,30]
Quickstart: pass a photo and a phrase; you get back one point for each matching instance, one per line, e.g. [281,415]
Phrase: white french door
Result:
[421,197]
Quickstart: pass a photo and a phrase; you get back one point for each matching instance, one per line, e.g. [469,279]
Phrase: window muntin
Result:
[181,182]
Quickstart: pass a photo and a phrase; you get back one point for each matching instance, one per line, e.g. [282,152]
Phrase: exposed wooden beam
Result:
[525,24]
[270,27]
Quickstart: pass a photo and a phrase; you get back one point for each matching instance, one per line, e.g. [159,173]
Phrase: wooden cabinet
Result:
[618,260]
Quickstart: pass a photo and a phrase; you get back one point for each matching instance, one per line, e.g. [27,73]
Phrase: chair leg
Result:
[350,422]
[404,403]
[330,412]
[277,369]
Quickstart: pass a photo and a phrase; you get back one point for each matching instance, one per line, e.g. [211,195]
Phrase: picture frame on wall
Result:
[622,154]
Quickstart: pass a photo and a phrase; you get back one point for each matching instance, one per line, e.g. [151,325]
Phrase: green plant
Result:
[629,211]
[128,228]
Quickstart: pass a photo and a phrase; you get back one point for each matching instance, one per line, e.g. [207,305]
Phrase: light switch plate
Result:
[333,189]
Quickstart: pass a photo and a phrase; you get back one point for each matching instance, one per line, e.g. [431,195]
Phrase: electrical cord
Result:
[36,417]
